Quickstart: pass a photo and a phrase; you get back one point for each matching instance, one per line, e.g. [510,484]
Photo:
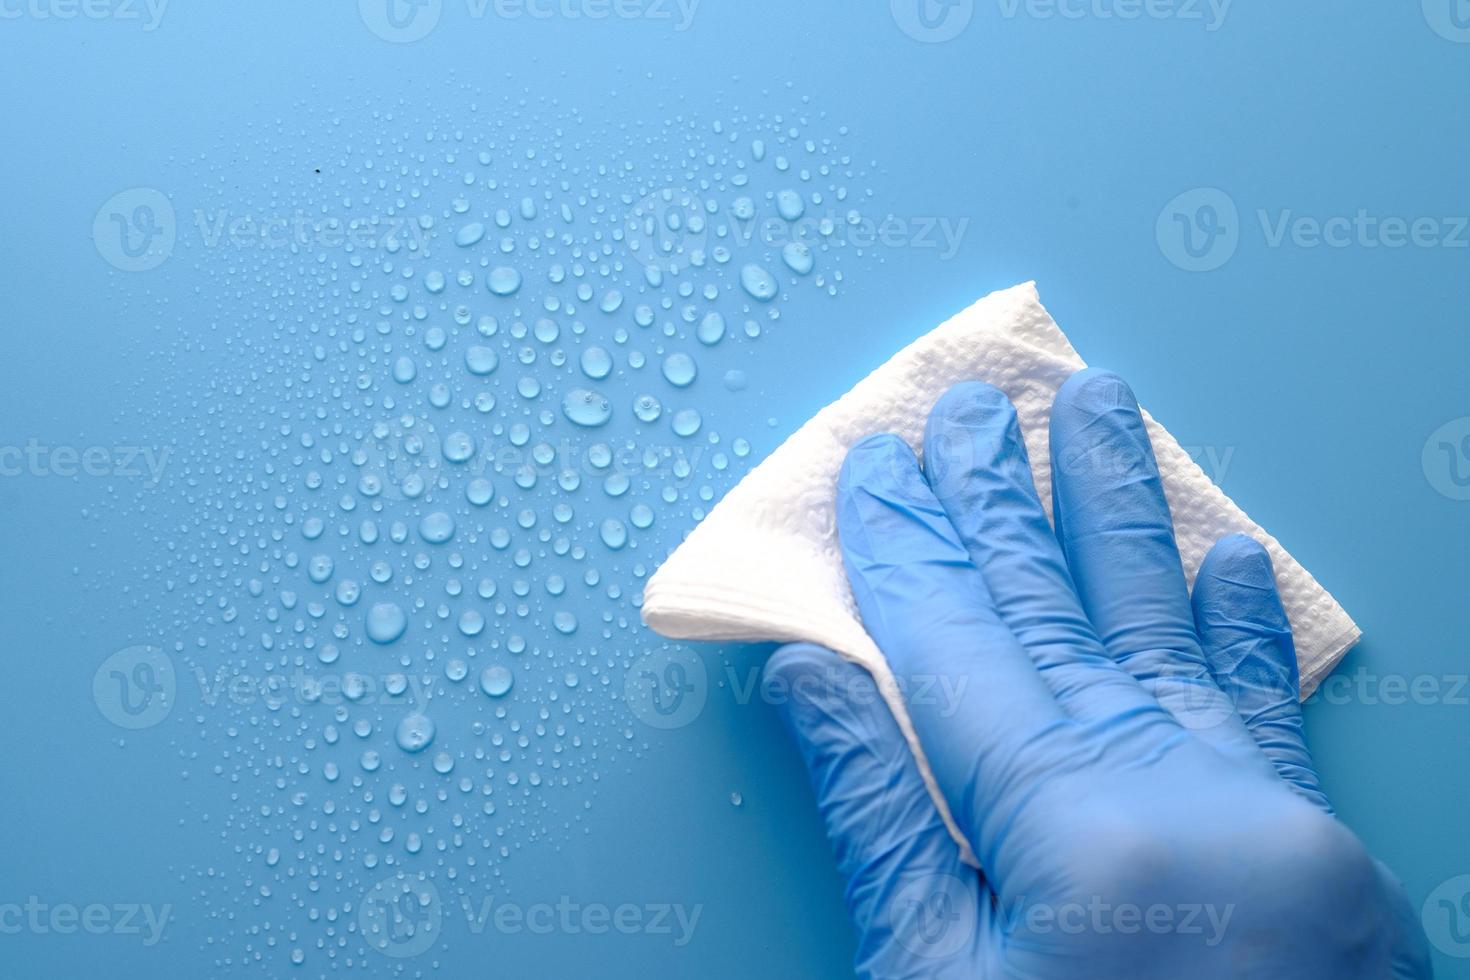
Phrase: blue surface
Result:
[1311,377]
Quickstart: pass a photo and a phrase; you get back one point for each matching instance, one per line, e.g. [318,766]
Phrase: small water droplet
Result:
[711,329]
[503,280]
[680,370]
[437,527]
[386,622]
[596,363]
[415,732]
[481,360]
[496,680]
[470,234]
[586,408]
[759,283]
[798,257]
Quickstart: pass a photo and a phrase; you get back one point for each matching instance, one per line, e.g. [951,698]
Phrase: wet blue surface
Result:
[1256,215]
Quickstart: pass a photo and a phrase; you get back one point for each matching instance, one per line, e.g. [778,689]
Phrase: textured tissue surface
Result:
[766,563]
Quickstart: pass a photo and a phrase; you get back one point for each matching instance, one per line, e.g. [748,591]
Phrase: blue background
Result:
[1321,371]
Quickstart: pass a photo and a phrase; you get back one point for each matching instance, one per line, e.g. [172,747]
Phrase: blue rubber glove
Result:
[1126,760]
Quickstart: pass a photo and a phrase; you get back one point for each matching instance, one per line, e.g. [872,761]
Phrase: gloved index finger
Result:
[928,609]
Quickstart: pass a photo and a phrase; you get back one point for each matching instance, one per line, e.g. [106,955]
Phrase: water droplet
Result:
[586,408]
[680,370]
[471,622]
[319,569]
[386,622]
[481,360]
[479,491]
[437,527]
[458,447]
[614,533]
[647,408]
[503,280]
[686,422]
[798,257]
[711,329]
[415,732]
[470,234]
[404,370]
[789,205]
[758,282]
[496,680]
[596,363]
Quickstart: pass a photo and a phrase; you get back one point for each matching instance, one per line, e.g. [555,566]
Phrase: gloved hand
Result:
[1127,763]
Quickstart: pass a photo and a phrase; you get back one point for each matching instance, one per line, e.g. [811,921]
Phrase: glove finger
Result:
[907,890]
[1118,536]
[929,611]
[976,462]
[1247,640]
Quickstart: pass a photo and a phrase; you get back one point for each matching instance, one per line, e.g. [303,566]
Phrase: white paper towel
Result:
[766,563]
